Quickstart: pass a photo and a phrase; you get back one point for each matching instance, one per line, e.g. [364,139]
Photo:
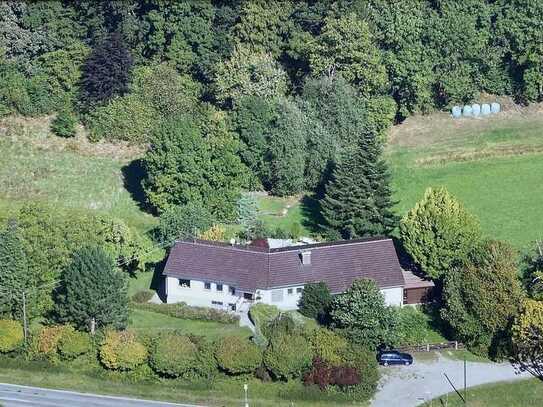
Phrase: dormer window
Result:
[306,258]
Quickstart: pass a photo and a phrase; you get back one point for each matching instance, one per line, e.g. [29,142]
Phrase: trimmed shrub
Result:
[64,124]
[174,355]
[282,324]
[323,375]
[237,355]
[261,315]
[183,311]
[49,338]
[73,344]
[143,296]
[11,335]
[315,301]
[365,362]
[328,346]
[288,356]
[120,350]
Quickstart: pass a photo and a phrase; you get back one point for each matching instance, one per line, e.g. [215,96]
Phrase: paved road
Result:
[409,386]
[24,396]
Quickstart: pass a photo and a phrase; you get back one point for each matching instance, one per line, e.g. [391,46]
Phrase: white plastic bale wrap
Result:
[467,111]
[485,109]
[476,110]
[456,112]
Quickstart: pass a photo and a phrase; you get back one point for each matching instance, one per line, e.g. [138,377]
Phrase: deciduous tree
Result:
[438,231]
[482,296]
[527,334]
[106,72]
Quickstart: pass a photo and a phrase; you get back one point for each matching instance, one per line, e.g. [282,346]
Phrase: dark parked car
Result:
[393,357]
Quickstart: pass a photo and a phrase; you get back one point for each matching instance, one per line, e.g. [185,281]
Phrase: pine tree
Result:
[92,288]
[358,198]
[13,272]
[106,72]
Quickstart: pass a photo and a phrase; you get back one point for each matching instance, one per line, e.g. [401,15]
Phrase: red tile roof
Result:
[249,268]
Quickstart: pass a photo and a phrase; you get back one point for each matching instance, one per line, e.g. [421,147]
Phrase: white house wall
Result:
[288,302]
[197,295]
[393,296]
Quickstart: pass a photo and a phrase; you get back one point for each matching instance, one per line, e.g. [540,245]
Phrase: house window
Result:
[184,283]
[277,295]
[216,302]
[290,291]
[299,290]
[232,290]
[207,286]
[219,287]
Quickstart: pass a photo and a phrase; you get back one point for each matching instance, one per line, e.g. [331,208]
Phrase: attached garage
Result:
[416,289]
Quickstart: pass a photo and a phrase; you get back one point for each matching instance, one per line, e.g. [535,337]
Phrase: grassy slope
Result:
[522,393]
[35,165]
[493,165]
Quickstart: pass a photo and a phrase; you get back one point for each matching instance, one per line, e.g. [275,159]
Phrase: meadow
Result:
[493,165]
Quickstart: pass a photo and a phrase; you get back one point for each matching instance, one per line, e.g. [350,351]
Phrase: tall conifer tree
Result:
[358,198]
[92,289]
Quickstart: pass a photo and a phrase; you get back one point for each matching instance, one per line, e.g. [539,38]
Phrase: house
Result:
[222,275]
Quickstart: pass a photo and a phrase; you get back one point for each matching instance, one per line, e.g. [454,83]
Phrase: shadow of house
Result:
[158,280]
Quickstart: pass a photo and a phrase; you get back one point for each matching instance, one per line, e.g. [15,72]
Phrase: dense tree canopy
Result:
[482,296]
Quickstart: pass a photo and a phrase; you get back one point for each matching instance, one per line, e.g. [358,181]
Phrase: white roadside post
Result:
[246,388]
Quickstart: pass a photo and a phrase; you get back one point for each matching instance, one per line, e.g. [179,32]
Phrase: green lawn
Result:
[152,322]
[493,167]
[140,282]
[218,392]
[299,209]
[521,393]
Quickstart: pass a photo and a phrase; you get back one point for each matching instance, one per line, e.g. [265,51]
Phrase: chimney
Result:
[306,257]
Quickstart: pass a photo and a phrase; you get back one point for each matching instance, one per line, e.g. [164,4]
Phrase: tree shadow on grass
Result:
[311,214]
[133,174]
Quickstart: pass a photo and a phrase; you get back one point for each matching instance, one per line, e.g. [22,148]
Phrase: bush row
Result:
[182,310]
[321,357]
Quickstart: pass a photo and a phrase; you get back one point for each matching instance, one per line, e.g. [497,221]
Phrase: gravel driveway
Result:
[409,386]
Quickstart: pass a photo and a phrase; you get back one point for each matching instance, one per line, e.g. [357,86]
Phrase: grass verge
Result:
[220,392]
[521,393]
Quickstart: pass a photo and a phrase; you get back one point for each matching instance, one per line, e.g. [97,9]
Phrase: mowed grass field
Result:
[493,165]
[521,393]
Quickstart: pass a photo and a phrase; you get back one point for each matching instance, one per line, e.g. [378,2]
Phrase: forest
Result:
[285,97]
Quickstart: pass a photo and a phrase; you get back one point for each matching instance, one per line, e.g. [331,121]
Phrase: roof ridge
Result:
[267,250]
